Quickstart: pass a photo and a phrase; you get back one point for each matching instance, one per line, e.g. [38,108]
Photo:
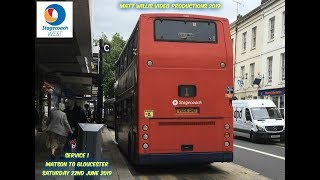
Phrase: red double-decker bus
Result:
[173,90]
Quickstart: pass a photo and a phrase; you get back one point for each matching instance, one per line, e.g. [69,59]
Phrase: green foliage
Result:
[117,44]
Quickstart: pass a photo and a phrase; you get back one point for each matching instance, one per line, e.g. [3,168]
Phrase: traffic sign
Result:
[106,48]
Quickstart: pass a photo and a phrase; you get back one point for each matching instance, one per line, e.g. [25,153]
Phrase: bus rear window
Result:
[185,31]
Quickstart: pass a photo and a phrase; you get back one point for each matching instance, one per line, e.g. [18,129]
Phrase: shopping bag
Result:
[73,145]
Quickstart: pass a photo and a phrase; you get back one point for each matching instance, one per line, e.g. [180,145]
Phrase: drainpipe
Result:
[235,53]
[262,49]
[100,84]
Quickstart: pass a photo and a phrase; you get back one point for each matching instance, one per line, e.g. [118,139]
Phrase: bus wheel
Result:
[116,131]
[253,137]
[129,148]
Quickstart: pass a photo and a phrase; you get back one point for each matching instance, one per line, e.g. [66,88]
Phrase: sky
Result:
[109,18]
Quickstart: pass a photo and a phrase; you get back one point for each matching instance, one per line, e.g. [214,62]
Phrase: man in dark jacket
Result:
[78,116]
[88,112]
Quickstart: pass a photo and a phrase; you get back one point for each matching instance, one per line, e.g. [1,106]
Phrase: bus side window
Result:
[112,110]
[125,60]
[248,116]
[130,49]
[119,110]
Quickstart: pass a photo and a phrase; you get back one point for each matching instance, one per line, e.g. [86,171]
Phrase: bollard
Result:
[90,141]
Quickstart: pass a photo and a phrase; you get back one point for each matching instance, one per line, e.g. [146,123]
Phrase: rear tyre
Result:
[129,148]
[116,131]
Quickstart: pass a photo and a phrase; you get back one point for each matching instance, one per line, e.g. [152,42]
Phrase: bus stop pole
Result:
[100,84]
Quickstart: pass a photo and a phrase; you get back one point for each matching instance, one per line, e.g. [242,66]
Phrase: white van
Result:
[258,119]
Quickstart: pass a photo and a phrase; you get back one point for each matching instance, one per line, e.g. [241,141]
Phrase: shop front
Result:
[276,95]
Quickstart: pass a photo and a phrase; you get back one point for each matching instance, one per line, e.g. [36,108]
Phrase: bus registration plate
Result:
[186,110]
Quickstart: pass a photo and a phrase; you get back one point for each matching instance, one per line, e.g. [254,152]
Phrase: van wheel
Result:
[253,137]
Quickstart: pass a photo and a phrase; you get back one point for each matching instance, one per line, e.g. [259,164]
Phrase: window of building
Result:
[251,73]
[244,41]
[279,101]
[270,69]
[283,23]
[275,99]
[254,37]
[242,72]
[282,106]
[271,28]
[282,56]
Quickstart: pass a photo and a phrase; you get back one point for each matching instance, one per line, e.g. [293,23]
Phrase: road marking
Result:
[280,146]
[261,152]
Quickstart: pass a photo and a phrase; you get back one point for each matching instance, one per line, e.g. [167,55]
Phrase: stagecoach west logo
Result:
[54,19]
[176,102]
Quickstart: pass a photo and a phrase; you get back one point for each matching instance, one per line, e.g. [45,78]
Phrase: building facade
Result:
[258,40]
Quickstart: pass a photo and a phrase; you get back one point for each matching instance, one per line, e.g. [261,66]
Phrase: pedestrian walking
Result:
[57,130]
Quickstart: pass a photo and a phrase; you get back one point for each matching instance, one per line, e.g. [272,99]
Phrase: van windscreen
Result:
[260,113]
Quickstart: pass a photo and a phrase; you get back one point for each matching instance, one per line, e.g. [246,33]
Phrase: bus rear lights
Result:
[226,135]
[227,126]
[149,63]
[222,65]
[144,127]
[145,145]
[145,136]
[226,143]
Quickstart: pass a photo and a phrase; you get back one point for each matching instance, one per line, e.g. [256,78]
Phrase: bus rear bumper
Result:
[185,158]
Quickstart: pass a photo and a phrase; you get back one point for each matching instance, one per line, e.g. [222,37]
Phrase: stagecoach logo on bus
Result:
[176,102]
[54,19]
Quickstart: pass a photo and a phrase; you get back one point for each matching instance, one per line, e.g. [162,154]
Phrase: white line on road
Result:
[280,157]
[279,146]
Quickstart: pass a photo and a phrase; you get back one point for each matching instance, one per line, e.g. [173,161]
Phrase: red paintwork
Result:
[182,63]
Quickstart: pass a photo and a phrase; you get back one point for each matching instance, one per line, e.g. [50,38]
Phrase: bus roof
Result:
[180,15]
[173,15]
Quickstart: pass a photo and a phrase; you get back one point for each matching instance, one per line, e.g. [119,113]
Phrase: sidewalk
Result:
[116,159]
[110,152]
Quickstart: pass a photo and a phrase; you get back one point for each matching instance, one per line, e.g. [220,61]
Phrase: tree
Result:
[117,44]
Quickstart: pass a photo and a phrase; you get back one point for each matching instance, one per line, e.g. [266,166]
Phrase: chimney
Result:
[239,16]
[263,1]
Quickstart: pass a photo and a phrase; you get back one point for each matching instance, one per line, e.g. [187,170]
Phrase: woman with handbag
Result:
[58,130]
